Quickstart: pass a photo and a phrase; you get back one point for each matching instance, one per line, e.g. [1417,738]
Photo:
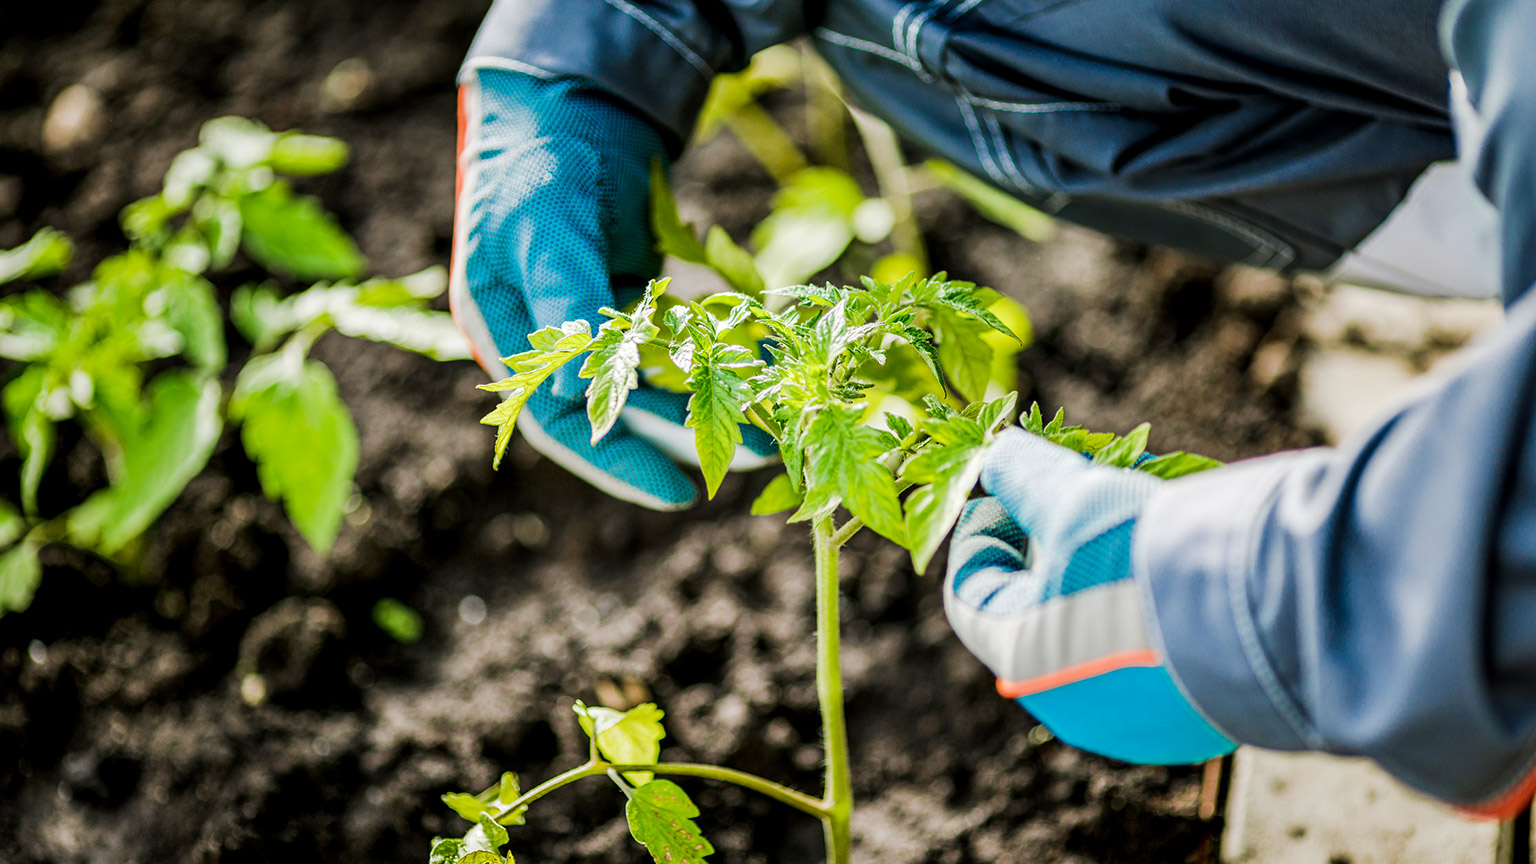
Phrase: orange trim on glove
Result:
[1082,671]
[1506,806]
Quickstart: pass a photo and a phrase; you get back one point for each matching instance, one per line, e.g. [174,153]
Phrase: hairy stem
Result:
[838,798]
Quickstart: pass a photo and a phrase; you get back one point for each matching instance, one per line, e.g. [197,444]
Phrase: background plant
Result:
[136,355]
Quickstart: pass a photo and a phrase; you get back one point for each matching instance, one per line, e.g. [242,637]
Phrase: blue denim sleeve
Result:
[656,55]
[1379,599]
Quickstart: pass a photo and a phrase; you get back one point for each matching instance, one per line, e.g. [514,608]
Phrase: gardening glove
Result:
[1040,589]
[552,225]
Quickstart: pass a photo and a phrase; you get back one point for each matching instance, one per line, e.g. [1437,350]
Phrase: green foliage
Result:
[136,355]
[400,621]
[630,737]
[661,817]
[300,434]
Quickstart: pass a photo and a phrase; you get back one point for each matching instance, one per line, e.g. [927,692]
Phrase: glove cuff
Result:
[1190,555]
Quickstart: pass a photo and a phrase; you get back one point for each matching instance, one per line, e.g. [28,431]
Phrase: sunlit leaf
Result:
[45,254]
[779,495]
[293,234]
[1177,464]
[304,155]
[661,818]
[630,737]
[20,573]
[300,435]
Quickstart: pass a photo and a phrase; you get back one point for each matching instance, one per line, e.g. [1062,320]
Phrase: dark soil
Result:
[124,736]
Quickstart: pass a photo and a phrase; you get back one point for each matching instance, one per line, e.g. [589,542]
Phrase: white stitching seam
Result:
[914,32]
[1272,252]
[979,143]
[866,46]
[1040,107]
[1005,156]
[900,20]
[666,35]
[963,8]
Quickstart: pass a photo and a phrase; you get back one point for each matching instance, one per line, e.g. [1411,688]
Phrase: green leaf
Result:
[400,621]
[963,354]
[12,525]
[779,495]
[1178,464]
[630,737]
[20,572]
[260,315]
[661,818]
[45,254]
[31,325]
[844,465]
[482,856]
[300,435]
[733,263]
[673,236]
[293,234]
[553,347]
[615,360]
[446,850]
[509,789]
[32,430]
[306,155]
[487,836]
[238,142]
[1124,452]
[715,412]
[994,204]
[947,470]
[180,428]
[899,426]
[466,805]
[193,311]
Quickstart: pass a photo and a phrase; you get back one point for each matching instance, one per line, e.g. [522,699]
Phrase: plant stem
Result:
[767,141]
[884,152]
[838,798]
[596,767]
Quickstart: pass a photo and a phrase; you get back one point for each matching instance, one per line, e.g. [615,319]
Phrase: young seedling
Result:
[136,355]
[826,351]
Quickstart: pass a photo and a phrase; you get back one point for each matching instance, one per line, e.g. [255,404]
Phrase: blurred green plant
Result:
[136,354]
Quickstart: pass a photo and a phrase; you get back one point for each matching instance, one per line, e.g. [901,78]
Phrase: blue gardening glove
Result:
[1040,589]
[552,224]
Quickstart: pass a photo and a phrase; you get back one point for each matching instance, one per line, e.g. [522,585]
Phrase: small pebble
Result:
[76,117]
[38,652]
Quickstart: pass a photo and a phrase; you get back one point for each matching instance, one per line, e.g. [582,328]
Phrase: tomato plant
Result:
[136,354]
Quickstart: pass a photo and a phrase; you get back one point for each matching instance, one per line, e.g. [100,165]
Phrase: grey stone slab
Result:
[1288,808]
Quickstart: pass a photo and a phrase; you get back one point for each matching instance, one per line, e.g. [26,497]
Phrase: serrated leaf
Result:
[293,234]
[553,348]
[715,412]
[1177,464]
[1124,452]
[900,426]
[965,357]
[661,818]
[615,360]
[46,253]
[779,495]
[181,426]
[481,856]
[733,263]
[300,435]
[630,737]
[20,573]
[844,466]
[946,471]
[673,236]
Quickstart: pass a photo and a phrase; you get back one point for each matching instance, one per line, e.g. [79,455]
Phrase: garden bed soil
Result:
[131,729]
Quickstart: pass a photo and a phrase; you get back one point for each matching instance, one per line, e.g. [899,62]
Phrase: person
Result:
[1376,599]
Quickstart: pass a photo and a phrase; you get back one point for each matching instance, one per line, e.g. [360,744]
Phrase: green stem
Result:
[596,767]
[884,151]
[838,799]
[767,141]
